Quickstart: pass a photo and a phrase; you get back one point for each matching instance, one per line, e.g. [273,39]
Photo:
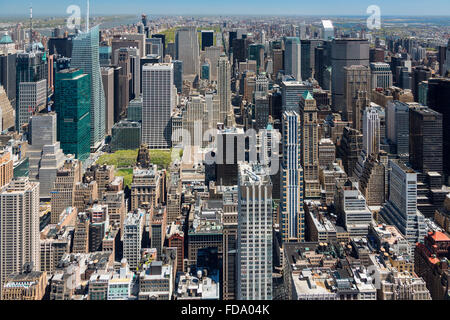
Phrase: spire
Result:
[87,17]
[31,25]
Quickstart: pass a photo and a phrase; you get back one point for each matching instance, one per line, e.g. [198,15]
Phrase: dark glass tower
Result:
[72,106]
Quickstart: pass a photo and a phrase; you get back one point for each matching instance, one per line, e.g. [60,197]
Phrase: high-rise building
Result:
[401,209]
[224,90]
[345,53]
[8,76]
[352,208]
[63,192]
[357,90]
[438,97]
[254,247]
[157,103]
[187,49]
[308,48]
[381,75]
[44,153]
[309,145]
[292,190]
[207,39]
[350,149]
[30,67]
[32,98]
[19,227]
[178,75]
[371,131]
[7,112]
[108,88]
[85,56]
[291,91]
[327,30]
[132,237]
[397,128]
[425,140]
[72,106]
[292,58]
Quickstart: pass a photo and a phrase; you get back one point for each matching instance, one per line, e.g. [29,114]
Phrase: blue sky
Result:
[266,7]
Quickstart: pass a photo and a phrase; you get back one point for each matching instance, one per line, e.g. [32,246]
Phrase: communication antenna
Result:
[31,24]
[87,17]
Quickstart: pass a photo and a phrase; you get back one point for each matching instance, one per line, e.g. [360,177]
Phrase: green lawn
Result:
[127,158]
[120,158]
[127,174]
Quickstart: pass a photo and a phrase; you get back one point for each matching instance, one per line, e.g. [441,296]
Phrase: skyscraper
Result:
[30,67]
[397,128]
[72,106]
[157,104]
[108,88]
[178,75]
[401,209]
[438,98]
[85,56]
[425,140]
[345,53]
[44,153]
[371,131]
[32,98]
[224,89]
[207,39]
[381,75]
[309,145]
[19,227]
[292,214]
[292,58]
[8,76]
[254,265]
[187,49]
[357,90]
[291,91]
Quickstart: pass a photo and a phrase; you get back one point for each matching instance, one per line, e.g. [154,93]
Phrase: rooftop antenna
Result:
[31,25]
[87,17]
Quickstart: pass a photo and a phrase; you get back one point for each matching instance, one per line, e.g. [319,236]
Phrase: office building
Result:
[132,237]
[292,58]
[157,103]
[126,135]
[187,49]
[72,106]
[44,153]
[357,89]
[292,187]
[438,97]
[85,56]
[291,91]
[371,131]
[207,39]
[309,145]
[397,128]
[32,99]
[108,88]
[254,247]
[63,191]
[425,140]
[381,75]
[8,116]
[224,90]
[401,208]
[345,53]
[19,227]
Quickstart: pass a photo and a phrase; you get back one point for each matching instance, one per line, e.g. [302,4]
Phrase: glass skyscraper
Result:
[72,105]
[85,56]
